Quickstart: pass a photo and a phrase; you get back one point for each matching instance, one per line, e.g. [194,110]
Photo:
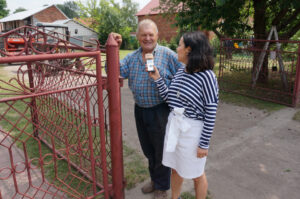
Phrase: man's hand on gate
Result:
[118,38]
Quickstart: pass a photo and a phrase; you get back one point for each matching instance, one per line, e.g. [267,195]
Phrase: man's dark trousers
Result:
[151,126]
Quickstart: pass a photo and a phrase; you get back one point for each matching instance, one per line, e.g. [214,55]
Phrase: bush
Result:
[215,43]
[173,44]
[131,43]
[163,42]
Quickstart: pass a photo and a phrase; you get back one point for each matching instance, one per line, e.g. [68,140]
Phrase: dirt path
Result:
[252,154]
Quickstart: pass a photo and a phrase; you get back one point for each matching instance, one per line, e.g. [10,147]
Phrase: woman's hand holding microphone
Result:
[150,68]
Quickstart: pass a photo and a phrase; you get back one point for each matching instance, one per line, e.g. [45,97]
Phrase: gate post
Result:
[297,80]
[115,125]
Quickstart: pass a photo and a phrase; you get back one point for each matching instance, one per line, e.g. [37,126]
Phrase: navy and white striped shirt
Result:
[142,86]
[198,94]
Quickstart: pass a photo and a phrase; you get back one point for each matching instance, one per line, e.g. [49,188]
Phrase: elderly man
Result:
[151,112]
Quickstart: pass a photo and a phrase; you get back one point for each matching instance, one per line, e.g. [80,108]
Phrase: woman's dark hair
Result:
[201,56]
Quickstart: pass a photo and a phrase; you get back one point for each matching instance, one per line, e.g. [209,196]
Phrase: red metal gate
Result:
[237,60]
[60,120]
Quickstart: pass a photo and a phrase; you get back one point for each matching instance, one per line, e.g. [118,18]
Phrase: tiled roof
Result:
[85,21]
[149,9]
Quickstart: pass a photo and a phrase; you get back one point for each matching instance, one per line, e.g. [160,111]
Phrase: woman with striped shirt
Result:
[193,99]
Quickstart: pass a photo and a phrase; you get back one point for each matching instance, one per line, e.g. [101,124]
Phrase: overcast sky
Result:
[12,5]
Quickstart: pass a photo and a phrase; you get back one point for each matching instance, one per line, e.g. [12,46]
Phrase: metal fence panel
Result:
[55,139]
[239,61]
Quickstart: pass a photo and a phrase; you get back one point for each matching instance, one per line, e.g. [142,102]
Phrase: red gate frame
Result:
[113,84]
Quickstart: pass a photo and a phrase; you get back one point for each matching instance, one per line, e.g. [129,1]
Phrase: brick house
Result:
[166,28]
[46,14]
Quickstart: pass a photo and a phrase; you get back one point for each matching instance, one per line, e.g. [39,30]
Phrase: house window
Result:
[76,31]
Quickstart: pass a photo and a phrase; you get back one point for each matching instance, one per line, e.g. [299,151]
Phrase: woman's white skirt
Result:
[184,159]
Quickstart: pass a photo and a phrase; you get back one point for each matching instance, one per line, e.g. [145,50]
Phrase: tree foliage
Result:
[110,17]
[88,9]
[70,8]
[91,10]
[20,9]
[234,18]
[238,18]
[3,11]
[114,18]
[128,11]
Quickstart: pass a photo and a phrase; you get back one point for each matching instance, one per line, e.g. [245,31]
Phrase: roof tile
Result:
[149,9]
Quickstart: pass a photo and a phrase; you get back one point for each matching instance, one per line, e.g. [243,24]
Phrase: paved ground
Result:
[7,187]
[253,154]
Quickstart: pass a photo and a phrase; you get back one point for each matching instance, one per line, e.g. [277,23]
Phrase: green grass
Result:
[297,116]
[123,53]
[5,76]
[135,169]
[240,82]
[245,101]
[237,78]
[187,195]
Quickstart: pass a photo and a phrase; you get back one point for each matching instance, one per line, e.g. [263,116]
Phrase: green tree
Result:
[20,9]
[110,19]
[70,8]
[231,18]
[91,10]
[110,16]
[129,23]
[114,18]
[128,11]
[3,11]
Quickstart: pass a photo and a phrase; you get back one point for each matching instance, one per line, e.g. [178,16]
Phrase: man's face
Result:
[147,37]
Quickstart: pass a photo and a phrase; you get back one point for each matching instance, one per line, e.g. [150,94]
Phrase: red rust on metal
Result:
[114,96]
[111,41]
[56,106]
[296,93]
[42,57]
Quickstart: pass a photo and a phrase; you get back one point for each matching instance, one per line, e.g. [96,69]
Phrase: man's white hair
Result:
[146,22]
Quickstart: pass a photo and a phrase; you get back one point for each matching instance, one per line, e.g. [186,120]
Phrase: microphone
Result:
[149,62]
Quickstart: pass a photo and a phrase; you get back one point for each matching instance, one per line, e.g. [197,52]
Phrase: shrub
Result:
[173,44]
[163,42]
[215,43]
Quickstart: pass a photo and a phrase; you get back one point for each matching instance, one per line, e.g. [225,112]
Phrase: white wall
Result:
[83,33]
[81,30]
